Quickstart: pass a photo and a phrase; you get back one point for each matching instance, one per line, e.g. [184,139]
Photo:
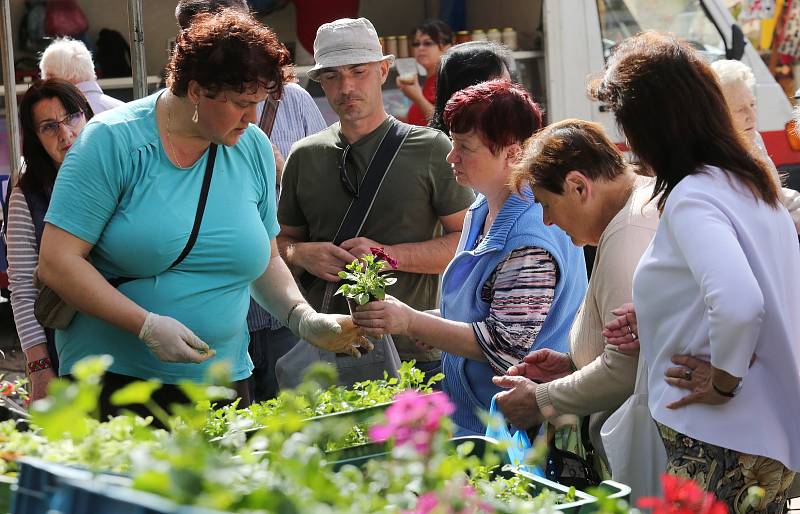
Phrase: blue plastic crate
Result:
[101,497]
[38,482]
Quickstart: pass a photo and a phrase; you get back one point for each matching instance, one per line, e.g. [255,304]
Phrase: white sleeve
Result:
[734,301]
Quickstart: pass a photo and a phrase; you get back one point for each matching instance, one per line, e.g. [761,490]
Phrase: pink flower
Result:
[413,419]
[425,504]
[683,496]
[381,255]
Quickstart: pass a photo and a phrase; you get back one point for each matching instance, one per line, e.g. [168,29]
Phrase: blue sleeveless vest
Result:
[518,224]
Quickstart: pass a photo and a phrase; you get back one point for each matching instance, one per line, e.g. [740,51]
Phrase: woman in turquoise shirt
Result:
[125,202]
[514,285]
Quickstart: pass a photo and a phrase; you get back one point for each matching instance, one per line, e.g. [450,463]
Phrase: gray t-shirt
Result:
[418,189]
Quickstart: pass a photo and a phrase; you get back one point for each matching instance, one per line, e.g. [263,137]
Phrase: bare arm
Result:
[276,291]
[65,267]
[427,257]
[392,316]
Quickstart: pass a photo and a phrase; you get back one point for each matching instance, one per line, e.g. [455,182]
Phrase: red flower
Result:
[6,388]
[683,496]
[383,256]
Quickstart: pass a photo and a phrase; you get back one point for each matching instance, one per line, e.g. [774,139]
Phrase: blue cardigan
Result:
[518,224]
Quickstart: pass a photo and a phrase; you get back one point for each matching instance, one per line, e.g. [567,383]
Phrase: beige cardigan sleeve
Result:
[607,380]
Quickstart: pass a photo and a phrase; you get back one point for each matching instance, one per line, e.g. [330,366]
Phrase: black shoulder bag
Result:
[53,312]
[570,469]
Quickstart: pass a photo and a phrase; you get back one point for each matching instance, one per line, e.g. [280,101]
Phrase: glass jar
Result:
[510,38]
[402,46]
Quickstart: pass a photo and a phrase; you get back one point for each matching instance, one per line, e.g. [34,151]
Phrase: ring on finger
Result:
[634,337]
[687,374]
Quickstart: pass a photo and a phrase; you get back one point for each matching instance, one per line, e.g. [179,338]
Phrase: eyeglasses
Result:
[344,177]
[427,42]
[51,128]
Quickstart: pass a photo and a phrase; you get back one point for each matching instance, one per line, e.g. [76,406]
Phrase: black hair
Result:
[465,65]
[439,31]
[40,170]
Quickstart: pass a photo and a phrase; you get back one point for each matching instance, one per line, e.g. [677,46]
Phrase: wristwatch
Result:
[727,394]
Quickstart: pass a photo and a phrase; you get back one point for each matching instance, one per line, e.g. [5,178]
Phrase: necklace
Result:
[169,137]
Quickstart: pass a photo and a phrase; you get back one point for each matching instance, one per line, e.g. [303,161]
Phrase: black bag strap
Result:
[360,206]
[198,217]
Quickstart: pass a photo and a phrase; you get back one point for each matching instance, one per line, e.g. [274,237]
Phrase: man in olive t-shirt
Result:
[418,194]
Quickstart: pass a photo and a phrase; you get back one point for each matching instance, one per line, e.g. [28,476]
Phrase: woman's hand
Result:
[543,365]
[623,332]
[699,377]
[171,341]
[411,89]
[39,381]
[519,402]
[390,316]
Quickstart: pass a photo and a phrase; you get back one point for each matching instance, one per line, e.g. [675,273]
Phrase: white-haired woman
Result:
[70,60]
[738,82]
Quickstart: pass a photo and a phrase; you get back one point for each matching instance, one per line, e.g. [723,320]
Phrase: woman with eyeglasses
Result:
[431,39]
[127,205]
[52,113]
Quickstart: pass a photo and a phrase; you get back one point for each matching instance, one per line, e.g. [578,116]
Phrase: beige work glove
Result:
[171,341]
[333,332]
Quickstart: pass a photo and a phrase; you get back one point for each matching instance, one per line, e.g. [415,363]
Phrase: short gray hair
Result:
[67,59]
[731,72]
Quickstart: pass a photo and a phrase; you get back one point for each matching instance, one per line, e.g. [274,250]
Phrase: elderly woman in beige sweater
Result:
[585,187]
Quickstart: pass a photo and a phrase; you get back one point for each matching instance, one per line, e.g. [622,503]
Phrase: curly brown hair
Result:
[228,51]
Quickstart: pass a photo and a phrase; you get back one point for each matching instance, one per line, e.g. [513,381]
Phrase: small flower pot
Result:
[352,304]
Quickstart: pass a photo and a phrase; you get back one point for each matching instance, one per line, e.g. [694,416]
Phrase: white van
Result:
[580,34]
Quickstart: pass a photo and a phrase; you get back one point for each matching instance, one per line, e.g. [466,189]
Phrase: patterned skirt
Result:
[728,473]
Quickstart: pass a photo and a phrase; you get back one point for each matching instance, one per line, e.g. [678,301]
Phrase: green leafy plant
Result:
[366,277]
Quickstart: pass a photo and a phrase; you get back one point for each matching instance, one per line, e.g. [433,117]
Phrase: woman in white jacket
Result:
[717,293]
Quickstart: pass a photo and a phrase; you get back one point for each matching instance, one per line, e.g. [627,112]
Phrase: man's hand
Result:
[519,402]
[543,365]
[323,260]
[360,246]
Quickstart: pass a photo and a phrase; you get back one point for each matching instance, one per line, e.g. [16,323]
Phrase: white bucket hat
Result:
[344,42]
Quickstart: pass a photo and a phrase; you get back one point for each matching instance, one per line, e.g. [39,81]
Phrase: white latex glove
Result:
[171,341]
[332,332]
[791,200]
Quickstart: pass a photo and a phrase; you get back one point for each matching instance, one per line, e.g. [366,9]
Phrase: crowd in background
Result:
[208,223]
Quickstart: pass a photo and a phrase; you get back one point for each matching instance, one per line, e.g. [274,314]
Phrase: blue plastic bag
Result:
[518,443]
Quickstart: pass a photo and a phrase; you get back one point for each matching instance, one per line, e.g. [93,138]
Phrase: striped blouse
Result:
[22,259]
[519,292]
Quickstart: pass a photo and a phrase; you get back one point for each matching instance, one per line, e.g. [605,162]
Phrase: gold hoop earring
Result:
[195,116]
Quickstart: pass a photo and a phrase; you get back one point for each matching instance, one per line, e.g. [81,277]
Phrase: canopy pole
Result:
[136,31]
[9,83]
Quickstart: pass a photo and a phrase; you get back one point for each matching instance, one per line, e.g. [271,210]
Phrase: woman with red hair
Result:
[514,285]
